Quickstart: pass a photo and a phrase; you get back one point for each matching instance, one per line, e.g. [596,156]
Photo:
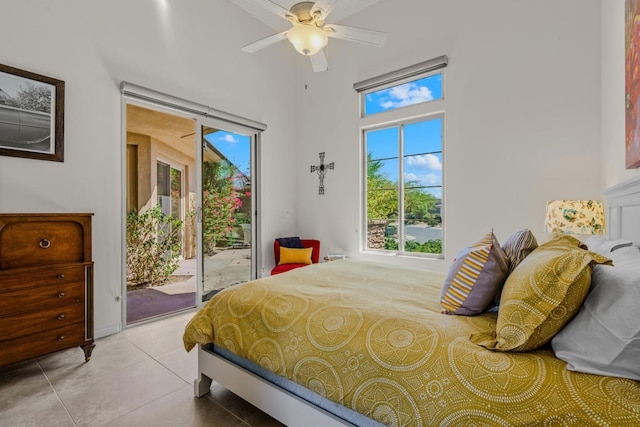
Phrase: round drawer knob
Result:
[62,295]
[61,337]
[61,316]
[61,276]
[45,243]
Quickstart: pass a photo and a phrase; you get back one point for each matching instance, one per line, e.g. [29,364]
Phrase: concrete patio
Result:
[224,269]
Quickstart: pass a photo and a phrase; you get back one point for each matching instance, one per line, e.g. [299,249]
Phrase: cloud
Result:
[406,94]
[228,138]
[425,180]
[426,161]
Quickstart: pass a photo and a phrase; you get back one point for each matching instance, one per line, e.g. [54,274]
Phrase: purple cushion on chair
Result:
[291,242]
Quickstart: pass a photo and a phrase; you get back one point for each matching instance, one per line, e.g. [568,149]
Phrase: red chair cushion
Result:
[307,243]
[285,267]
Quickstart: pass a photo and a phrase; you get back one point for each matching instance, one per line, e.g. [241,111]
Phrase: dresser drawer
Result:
[30,323]
[22,301]
[30,346]
[37,243]
[52,276]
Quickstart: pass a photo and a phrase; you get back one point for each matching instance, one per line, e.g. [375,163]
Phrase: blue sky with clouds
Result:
[236,148]
[422,140]
[417,91]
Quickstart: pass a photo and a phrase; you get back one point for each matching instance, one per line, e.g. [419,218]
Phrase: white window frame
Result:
[400,116]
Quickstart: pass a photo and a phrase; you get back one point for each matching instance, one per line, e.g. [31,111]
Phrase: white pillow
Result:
[604,337]
[603,246]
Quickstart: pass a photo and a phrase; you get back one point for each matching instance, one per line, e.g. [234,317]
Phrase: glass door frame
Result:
[146,98]
[224,125]
[126,100]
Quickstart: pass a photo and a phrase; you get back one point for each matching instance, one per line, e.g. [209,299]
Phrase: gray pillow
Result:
[604,337]
[474,278]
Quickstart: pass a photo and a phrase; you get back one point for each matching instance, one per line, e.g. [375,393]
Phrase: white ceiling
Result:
[342,9]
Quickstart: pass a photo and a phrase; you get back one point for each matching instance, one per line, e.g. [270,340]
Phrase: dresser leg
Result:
[88,348]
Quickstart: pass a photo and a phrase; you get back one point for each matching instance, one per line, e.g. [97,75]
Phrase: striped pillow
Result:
[474,278]
[518,246]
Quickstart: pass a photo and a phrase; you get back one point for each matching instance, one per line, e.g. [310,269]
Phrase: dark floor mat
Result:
[145,303]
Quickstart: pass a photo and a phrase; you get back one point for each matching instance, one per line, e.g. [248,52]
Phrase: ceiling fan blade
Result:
[319,61]
[360,35]
[267,41]
[277,9]
[323,7]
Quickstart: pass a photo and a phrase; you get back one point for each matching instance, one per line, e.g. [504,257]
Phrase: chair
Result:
[307,243]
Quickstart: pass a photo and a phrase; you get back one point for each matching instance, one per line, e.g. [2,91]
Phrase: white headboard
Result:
[623,210]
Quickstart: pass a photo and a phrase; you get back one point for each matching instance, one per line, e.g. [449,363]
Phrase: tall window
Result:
[403,123]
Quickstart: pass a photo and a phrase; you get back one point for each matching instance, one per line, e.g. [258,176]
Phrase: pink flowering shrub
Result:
[220,201]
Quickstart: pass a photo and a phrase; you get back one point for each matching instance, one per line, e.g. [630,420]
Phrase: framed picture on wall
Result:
[31,115]
[632,83]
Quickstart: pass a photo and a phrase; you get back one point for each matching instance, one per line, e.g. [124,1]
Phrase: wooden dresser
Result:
[46,285]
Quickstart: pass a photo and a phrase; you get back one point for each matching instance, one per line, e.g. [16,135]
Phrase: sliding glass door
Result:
[227,209]
[161,244]
[191,211]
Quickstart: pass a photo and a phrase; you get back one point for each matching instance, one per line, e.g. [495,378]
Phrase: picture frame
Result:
[632,84]
[31,115]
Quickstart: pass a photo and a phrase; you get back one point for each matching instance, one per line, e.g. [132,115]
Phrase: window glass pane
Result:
[422,220]
[236,149]
[176,194]
[423,187]
[423,137]
[382,218]
[423,170]
[227,191]
[164,187]
[382,143]
[382,173]
[415,92]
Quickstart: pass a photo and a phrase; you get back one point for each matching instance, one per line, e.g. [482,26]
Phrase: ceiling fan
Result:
[309,33]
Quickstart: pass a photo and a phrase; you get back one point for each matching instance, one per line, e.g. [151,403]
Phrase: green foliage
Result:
[428,247]
[154,243]
[390,244]
[418,205]
[382,198]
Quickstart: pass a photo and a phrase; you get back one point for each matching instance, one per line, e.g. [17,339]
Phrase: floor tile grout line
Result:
[44,373]
[154,357]
[211,399]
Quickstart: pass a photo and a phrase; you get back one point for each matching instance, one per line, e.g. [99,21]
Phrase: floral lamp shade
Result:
[575,217]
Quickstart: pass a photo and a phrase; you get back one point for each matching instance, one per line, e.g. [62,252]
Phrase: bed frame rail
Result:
[275,401]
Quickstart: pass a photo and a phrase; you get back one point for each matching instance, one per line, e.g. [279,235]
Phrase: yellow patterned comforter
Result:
[371,337]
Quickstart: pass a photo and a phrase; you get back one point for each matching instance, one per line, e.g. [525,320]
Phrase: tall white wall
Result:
[613,94]
[522,123]
[189,49]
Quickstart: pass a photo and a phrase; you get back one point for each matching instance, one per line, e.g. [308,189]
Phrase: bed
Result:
[359,343]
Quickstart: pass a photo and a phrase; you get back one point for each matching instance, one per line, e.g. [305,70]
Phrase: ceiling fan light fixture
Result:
[307,38]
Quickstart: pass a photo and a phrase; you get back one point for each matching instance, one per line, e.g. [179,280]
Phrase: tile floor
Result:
[139,377]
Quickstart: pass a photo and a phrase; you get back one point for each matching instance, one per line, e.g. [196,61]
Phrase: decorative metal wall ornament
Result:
[321,170]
